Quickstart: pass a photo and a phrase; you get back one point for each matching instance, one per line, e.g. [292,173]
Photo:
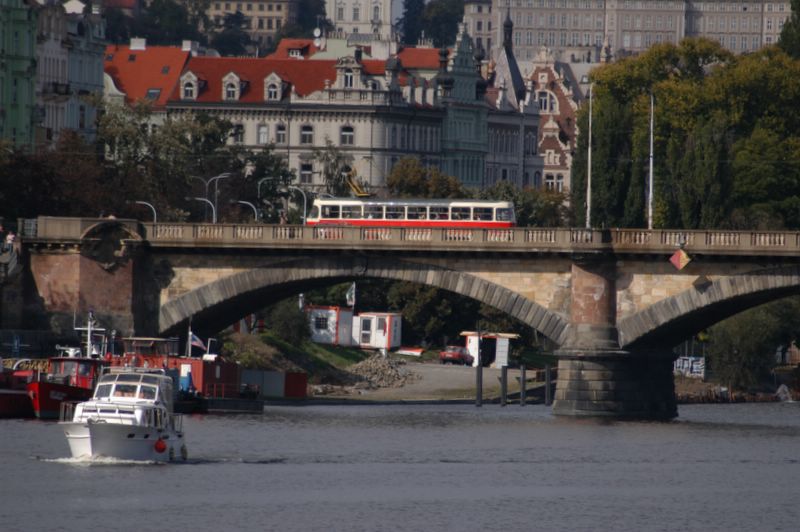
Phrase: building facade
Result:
[372,18]
[70,48]
[265,18]
[18,115]
[582,28]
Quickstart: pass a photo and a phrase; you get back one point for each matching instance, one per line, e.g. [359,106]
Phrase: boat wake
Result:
[97,461]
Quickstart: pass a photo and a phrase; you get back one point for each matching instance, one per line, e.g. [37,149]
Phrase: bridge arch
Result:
[210,303]
[707,303]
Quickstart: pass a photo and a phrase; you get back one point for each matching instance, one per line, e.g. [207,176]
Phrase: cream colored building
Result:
[585,30]
[265,18]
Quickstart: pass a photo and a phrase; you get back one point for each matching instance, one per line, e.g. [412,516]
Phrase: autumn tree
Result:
[410,179]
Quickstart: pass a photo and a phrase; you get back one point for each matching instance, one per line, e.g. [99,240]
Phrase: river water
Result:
[422,468]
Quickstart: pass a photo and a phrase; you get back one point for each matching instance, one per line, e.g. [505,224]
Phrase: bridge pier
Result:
[595,376]
[620,384]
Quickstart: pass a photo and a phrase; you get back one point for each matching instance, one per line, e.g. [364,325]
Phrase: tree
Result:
[789,40]
[533,207]
[336,166]
[167,22]
[440,20]
[231,39]
[409,178]
[741,349]
[288,322]
[411,23]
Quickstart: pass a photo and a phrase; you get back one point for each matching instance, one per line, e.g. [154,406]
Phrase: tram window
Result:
[395,212]
[503,215]
[330,211]
[438,213]
[373,211]
[417,213]
[482,213]
[351,211]
[460,213]
[314,212]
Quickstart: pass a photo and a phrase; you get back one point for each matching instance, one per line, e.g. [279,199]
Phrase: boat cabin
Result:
[135,386]
[75,371]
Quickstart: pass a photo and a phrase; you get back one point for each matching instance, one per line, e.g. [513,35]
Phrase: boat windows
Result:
[150,379]
[460,213]
[351,211]
[373,211]
[483,214]
[103,390]
[147,392]
[129,377]
[125,390]
[438,213]
[417,213]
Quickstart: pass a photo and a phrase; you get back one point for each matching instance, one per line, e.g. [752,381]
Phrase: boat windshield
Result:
[103,390]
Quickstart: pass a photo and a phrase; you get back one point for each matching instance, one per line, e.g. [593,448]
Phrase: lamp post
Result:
[305,202]
[207,201]
[214,180]
[155,214]
[255,210]
[589,164]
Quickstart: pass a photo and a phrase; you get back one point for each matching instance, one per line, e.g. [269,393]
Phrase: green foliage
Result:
[288,322]
[162,22]
[725,146]
[411,23]
[790,34]
[336,165]
[440,20]
[231,38]
[410,179]
[741,350]
[533,207]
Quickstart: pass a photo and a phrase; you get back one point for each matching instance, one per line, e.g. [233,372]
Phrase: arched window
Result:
[230,91]
[272,92]
[376,13]
[347,136]
[188,91]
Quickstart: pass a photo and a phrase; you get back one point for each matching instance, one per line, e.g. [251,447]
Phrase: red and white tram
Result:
[477,214]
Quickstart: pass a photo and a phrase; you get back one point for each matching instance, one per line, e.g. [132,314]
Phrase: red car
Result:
[455,354]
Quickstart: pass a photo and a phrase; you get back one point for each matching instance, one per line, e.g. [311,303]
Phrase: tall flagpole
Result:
[589,164]
[650,187]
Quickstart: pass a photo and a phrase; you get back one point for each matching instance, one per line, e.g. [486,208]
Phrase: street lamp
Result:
[255,210]
[214,180]
[301,191]
[213,209]
[155,214]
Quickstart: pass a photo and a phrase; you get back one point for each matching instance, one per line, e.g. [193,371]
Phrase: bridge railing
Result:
[521,239]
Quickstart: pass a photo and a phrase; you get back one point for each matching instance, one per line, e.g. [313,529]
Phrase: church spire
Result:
[508,30]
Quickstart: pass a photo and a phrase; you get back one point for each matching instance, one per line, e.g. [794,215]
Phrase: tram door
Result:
[366,331]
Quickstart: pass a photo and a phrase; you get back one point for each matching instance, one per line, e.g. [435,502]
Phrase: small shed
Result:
[330,325]
[494,347]
[378,330]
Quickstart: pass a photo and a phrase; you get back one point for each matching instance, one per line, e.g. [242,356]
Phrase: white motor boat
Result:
[130,417]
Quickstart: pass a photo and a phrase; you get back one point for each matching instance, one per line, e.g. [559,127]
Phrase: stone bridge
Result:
[610,299]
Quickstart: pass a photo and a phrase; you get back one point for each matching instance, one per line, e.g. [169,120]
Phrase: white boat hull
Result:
[123,442]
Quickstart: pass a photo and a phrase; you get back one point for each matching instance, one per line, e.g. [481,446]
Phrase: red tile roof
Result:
[419,58]
[306,46]
[305,76]
[374,67]
[135,72]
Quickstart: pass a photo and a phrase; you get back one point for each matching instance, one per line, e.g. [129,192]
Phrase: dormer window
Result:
[348,79]
[230,91]
[272,92]
[188,91]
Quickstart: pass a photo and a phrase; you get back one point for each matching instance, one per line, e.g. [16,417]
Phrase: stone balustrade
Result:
[53,230]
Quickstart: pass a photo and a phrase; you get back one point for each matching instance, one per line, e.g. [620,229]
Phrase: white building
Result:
[378,330]
[330,324]
[370,18]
